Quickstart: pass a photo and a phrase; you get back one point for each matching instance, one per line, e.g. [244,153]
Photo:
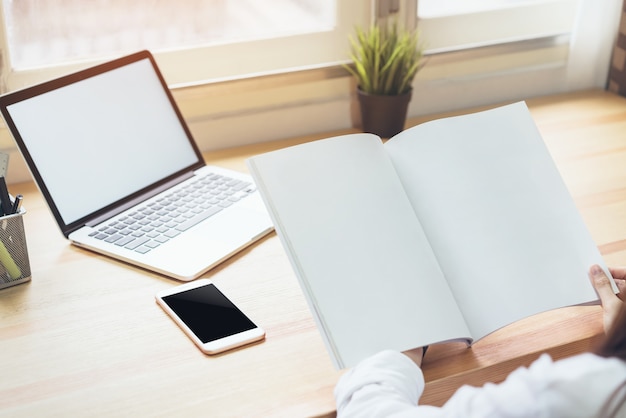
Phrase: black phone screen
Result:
[208,313]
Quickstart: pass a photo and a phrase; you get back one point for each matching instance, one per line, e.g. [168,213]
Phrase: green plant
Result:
[385,58]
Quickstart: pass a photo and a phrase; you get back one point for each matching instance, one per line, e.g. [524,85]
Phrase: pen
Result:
[5,200]
[17,203]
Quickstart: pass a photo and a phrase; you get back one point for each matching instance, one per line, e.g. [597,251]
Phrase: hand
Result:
[611,303]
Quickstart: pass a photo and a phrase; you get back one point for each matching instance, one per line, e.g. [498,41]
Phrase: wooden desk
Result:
[85,337]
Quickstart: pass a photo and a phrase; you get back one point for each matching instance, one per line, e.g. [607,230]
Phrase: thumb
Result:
[602,284]
[611,304]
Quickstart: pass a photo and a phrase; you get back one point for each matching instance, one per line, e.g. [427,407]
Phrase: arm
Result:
[383,385]
[389,385]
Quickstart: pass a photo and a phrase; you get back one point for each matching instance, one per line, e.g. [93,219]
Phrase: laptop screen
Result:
[100,139]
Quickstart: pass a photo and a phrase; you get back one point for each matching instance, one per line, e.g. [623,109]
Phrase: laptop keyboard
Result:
[175,212]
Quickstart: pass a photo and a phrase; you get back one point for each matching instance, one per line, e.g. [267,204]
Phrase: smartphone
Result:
[208,317]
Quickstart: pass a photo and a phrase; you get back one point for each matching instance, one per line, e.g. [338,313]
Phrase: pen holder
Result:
[14,263]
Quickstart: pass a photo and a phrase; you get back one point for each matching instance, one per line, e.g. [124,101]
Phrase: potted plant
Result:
[385,60]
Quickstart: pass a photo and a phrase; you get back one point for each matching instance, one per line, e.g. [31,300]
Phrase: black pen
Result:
[5,200]
[17,203]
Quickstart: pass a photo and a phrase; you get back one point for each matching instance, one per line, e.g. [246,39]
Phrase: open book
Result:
[448,231]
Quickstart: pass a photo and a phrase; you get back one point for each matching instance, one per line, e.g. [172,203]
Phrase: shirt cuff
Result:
[391,370]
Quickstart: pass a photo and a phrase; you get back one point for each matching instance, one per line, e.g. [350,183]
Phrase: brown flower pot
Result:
[383,115]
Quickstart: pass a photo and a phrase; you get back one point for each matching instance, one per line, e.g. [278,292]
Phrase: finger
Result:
[621,285]
[602,284]
[618,272]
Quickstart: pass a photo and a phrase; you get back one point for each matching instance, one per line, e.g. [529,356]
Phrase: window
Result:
[479,37]
[452,25]
[247,71]
[491,51]
[194,40]
[61,31]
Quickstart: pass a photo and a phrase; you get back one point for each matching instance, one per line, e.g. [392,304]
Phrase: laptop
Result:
[122,175]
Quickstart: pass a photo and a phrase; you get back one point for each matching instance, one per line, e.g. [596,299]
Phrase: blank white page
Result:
[365,266]
[507,234]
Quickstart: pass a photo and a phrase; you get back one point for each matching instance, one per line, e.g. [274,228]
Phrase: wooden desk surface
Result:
[85,336]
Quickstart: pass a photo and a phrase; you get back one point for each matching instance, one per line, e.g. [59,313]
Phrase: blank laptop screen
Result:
[101,139]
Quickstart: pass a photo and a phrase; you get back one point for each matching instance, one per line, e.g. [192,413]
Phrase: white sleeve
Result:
[387,384]
[577,386]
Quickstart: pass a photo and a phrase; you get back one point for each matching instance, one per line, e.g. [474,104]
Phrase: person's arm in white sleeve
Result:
[387,384]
